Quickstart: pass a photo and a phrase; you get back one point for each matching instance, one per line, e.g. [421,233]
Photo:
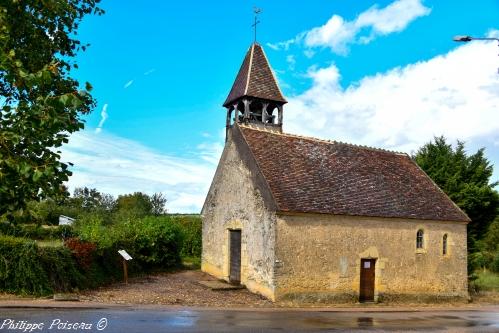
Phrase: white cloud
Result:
[116,165]
[335,34]
[456,94]
[210,151]
[152,70]
[286,44]
[291,60]
[104,115]
[128,84]
[493,33]
[309,53]
[338,33]
[393,18]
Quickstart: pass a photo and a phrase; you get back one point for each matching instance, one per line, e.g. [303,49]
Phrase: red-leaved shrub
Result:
[83,251]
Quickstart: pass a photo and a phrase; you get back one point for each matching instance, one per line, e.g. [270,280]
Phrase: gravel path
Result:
[178,288]
[183,288]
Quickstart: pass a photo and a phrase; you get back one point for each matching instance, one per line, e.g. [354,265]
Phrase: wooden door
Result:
[367,280]
[235,256]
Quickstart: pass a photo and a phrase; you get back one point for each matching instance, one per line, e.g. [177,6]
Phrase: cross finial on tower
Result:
[256,11]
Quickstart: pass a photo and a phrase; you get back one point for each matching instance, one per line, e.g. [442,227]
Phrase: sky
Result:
[379,73]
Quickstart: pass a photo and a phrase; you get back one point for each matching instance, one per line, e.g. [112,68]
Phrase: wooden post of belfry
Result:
[125,271]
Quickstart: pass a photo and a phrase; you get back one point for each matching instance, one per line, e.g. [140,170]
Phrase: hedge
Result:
[152,242]
[90,260]
[191,228]
[26,268]
[34,231]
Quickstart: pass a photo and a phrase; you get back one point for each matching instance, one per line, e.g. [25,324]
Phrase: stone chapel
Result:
[308,220]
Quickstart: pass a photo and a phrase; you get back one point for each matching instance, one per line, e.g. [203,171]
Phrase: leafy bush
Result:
[157,243]
[494,266]
[27,269]
[83,251]
[479,260]
[9,229]
[92,228]
[191,227]
[38,232]
[34,231]
[153,242]
[20,267]
[486,281]
[92,259]
[61,269]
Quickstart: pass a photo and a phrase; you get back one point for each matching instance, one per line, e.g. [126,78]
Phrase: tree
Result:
[89,199]
[158,202]
[465,179]
[137,204]
[40,103]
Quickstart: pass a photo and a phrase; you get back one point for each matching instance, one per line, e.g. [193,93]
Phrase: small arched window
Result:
[419,239]
[444,245]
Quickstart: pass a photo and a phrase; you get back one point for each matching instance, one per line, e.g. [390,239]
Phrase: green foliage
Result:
[191,227]
[20,269]
[28,269]
[137,204]
[466,179]
[36,232]
[62,271]
[42,212]
[494,266]
[92,228]
[9,229]
[41,104]
[91,260]
[157,243]
[90,200]
[479,260]
[158,203]
[487,281]
[491,239]
[152,242]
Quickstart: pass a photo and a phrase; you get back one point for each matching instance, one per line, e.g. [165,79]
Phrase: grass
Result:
[191,262]
[487,281]
[49,243]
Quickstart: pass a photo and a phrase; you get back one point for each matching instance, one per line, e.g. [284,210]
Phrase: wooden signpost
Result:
[126,257]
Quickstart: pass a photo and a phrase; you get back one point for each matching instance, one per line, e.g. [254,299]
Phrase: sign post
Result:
[125,257]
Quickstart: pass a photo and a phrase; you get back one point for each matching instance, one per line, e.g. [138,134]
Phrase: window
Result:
[419,239]
[444,245]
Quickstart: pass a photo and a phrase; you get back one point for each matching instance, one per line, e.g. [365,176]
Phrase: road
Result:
[122,320]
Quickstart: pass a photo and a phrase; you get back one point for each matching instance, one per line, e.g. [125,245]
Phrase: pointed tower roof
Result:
[255,78]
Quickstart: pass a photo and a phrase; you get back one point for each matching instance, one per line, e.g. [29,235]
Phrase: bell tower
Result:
[255,96]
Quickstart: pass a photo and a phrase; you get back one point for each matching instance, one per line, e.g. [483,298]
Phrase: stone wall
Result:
[234,202]
[318,259]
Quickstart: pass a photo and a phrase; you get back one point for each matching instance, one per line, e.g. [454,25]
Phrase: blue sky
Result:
[380,73]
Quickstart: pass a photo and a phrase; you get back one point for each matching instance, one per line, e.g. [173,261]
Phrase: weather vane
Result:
[256,11]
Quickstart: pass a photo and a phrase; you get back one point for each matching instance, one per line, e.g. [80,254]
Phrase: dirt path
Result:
[179,288]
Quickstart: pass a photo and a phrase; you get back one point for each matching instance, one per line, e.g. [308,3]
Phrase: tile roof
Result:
[316,176]
[255,78]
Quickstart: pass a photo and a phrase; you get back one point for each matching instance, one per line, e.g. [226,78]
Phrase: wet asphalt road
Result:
[142,320]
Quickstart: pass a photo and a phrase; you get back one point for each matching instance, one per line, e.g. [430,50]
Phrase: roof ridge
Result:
[271,70]
[271,130]
[249,69]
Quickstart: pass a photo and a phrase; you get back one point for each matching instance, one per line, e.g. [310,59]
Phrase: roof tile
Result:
[255,78]
[316,176]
